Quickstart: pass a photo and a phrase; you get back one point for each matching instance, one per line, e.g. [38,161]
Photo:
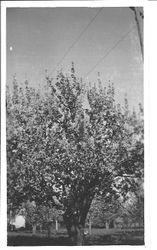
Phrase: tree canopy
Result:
[68,143]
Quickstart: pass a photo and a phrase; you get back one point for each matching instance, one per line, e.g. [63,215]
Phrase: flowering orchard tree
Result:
[69,143]
[104,211]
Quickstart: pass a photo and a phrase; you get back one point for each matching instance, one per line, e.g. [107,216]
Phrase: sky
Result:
[38,38]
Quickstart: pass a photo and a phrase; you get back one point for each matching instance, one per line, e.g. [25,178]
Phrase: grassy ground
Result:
[98,237]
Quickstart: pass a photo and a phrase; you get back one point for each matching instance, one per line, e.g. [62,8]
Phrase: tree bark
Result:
[56,225]
[49,229]
[75,231]
[107,225]
[90,227]
[41,228]
[34,229]
[77,235]
[75,215]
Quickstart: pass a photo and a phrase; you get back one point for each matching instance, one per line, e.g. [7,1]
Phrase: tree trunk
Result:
[75,231]
[90,227]
[75,217]
[77,235]
[56,226]
[34,229]
[49,229]
[107,225]
[41,228]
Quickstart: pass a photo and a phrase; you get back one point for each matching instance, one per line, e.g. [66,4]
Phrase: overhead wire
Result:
[76,40]
[109,51]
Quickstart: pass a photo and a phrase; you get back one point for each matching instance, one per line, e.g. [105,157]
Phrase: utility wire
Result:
[77,39]
[109,51]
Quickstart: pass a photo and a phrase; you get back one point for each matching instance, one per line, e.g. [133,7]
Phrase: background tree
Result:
[103,212]
[32,216]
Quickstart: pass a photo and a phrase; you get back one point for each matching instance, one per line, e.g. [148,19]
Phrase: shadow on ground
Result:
[20,240]
[27,240]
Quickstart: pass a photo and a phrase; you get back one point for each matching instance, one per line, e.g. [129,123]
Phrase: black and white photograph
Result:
[75,125]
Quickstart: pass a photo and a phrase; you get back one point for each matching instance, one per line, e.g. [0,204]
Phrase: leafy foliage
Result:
[69,143]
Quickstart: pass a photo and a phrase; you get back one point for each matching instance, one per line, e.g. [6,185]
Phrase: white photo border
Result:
[108,3]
